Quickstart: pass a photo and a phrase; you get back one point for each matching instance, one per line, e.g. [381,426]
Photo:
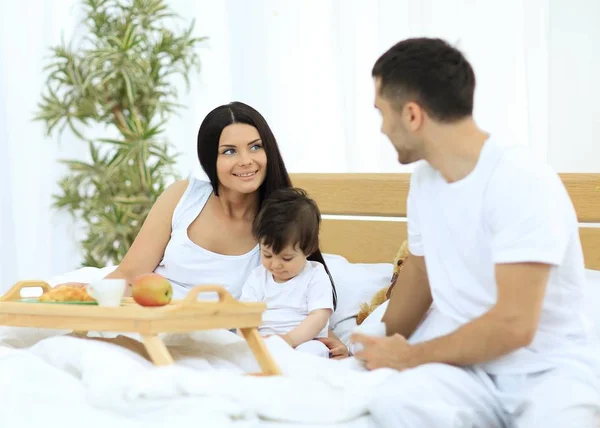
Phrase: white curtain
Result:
[306,66]
[35,240]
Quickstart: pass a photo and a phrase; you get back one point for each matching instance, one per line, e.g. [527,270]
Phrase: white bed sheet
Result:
[62,381]
[57,379]
[50,379]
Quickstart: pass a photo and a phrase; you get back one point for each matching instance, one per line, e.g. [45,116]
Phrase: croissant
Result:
[66,293]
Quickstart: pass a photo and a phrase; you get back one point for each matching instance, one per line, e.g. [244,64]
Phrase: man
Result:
[495,247]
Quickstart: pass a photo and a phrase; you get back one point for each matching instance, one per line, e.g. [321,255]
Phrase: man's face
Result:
[399,127]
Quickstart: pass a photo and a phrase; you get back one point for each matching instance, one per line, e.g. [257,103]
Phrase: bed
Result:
[52,376]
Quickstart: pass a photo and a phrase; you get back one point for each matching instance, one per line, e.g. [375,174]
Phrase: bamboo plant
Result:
[115,92]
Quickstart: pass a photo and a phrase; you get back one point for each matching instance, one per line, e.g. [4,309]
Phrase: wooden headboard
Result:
[364,215]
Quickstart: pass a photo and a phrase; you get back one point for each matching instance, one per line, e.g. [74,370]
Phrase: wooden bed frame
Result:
[364,215]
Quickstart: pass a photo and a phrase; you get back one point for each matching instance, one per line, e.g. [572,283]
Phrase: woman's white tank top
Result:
[186,264]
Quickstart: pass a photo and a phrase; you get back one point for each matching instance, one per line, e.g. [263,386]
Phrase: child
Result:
[299,293]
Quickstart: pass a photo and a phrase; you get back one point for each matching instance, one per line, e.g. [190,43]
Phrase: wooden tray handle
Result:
[15,290]
[192,296]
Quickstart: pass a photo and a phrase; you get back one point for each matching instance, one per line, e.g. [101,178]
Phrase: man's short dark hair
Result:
[430,72]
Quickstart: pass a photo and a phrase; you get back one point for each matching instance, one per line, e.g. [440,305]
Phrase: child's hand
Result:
[287,338]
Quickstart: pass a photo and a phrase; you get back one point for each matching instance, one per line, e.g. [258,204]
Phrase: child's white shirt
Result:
[289,303]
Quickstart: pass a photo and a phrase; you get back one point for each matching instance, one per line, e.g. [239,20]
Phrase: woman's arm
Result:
[309,328]
[149,246]
[337,349]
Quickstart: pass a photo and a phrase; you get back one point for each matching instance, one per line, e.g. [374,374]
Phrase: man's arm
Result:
[410,299]
[509,325]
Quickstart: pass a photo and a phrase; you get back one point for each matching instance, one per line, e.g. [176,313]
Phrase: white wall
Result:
[574,101]
[306,66]
[35,240]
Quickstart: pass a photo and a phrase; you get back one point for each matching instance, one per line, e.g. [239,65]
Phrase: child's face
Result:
[285,265]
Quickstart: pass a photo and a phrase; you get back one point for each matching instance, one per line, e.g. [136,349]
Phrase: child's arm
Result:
[250,293]
[309,328]
[320,307]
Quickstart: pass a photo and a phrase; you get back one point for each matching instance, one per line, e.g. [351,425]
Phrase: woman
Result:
[201,232]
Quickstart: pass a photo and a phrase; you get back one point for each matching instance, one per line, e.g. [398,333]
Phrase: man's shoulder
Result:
[524,183]
[520,170]
[422,172]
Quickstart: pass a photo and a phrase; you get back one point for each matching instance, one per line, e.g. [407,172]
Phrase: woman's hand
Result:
[337,349]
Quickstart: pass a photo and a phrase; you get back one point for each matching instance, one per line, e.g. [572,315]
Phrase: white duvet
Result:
[49,378]
[68,381]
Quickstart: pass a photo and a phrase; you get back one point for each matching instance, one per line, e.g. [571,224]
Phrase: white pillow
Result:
[592,303]
[592,299]
[344,329]
[355,283]
[375,317]
[84,274]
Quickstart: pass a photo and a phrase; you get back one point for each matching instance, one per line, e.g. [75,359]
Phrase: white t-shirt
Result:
[186,264]
[509,209]
[289,303]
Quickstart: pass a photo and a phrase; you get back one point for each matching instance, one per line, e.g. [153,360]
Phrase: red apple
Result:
[152,289]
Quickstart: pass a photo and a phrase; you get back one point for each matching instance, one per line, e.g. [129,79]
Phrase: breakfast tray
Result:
[179,316]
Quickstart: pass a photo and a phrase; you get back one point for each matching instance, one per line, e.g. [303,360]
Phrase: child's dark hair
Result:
[289,217]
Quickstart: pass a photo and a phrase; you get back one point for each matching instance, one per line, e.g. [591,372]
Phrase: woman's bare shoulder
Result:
[172,194]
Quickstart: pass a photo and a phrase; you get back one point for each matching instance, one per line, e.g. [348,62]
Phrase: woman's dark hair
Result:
[289,217]
[209,134]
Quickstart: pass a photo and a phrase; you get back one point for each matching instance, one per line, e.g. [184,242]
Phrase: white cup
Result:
[374,329]
[107,292]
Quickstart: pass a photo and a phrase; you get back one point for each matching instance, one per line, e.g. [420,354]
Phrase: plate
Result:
[35,300]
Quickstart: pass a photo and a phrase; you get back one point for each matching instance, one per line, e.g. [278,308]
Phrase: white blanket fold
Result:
[114,385]
[49,378]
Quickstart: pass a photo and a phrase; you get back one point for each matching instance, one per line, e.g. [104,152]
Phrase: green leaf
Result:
[94,152]
[131,200]
[75,165]
[115,142]
[128,86]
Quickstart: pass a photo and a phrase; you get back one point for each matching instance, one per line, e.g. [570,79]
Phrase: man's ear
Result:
[413,116]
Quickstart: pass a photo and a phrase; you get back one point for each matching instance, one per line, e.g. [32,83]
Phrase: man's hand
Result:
[384,352]
[337,349]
